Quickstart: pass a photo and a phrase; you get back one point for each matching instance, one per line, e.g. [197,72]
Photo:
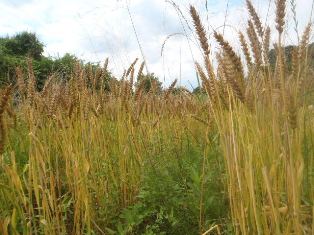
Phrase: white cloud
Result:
[94,30]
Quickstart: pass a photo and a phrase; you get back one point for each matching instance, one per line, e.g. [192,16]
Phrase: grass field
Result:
[236,158]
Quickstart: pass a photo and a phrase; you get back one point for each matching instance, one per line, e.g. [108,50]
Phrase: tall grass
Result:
[82,160]
[92,156]
[265,128]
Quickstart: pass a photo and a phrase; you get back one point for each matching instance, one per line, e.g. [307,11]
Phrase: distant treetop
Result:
[24,44]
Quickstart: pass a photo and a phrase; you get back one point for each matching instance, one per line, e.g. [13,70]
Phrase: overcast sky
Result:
[96,29]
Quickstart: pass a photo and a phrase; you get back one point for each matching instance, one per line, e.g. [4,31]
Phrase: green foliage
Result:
[288,56]
[15,51]
[179,90]
[171,192]
[150,81]
[64,66]
[198,91]
[8,64]
[24,44]
[42,69]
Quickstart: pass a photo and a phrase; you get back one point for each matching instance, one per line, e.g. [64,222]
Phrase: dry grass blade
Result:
[3,104]
[31,85]
[140,71]
[245,49]
[295,63]
[171,87]
[255,18]
[205,80]
[255,44]
[130,68]
[305,41]
[106,64]
[230,71]
[200,31]
[230,52]
[266,43]
[280,15]
[20,81]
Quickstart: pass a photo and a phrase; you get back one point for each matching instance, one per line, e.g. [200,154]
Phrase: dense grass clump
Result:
[98,156]
[98,162]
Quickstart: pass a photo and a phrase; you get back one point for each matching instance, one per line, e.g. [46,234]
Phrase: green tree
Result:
[24,44]
[199,90]
[64,66]
[149,81]
[15,51]
[180,90]
[7,68]
[42,69]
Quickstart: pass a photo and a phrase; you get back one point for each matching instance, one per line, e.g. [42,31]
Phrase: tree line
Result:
[15,51]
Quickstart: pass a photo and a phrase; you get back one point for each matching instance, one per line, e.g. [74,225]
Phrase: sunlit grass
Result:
[91,156]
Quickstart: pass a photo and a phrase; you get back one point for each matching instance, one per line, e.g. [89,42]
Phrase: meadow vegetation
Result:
[92,155]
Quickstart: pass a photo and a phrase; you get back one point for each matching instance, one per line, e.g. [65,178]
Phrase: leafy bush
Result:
[173,191]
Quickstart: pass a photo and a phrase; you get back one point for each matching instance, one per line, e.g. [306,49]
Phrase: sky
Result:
[95,30]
